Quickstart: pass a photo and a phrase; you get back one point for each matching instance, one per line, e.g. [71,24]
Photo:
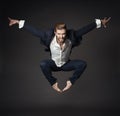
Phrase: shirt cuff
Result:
[98,23]
[21,24]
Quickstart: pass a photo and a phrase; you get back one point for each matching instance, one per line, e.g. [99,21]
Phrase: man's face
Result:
[60,35]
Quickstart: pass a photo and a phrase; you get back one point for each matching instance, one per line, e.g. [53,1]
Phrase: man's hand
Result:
[105,21]
[68,86]
[13,21]
[55,87]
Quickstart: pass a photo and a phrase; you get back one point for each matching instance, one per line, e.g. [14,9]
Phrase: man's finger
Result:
[108,19]
[9,18]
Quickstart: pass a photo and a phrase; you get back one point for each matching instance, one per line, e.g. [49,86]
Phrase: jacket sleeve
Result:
[34,31]
[44,36]
[82,31]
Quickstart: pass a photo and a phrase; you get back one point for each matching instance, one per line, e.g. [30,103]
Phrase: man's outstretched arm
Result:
[34,31]
[96,24]
[22,24]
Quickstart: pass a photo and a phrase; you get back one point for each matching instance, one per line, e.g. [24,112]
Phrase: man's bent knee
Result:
[82,64]
[43,64]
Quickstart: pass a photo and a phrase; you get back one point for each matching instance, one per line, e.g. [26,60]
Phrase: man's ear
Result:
[55,32]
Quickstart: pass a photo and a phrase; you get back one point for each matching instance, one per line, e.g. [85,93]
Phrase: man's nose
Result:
[61,36]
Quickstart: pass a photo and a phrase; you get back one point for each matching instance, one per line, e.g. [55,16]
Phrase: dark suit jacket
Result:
[46,37]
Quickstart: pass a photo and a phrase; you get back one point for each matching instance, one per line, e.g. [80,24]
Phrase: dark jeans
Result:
[48,66]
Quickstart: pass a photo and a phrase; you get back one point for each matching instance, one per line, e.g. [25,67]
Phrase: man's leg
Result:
[47,67]
[78,66]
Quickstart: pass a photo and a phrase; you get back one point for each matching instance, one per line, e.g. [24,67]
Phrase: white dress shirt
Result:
[60,56]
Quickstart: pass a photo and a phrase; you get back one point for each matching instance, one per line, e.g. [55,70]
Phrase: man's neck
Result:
[60,43]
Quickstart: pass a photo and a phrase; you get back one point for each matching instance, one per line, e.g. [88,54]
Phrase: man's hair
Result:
[60,26]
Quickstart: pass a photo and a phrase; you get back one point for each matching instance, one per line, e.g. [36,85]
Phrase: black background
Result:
[24,91]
